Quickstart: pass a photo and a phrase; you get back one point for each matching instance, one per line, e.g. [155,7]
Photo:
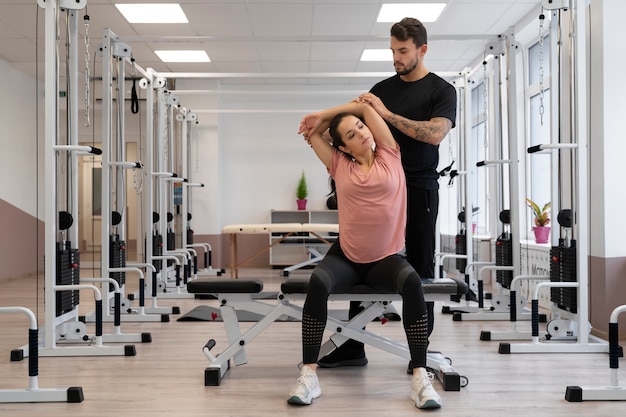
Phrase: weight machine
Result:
[499,310]
[61,273]
[153,195]
[463,240]
[569,329]
[113,253]
[189,121]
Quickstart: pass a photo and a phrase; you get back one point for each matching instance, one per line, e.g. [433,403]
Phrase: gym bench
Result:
[244,295]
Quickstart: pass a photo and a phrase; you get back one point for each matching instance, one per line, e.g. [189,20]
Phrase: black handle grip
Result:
[95,151]
[534,149]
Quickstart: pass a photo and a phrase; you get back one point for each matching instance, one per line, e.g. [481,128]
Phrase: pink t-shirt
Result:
[372,206]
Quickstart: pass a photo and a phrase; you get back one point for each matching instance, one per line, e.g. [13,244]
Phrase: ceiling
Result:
[303,40]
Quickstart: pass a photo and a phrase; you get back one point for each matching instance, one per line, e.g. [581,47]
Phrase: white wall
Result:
[18,157]
[607,145]
[249,153]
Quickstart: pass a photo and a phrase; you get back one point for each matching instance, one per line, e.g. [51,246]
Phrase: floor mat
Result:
[208,313]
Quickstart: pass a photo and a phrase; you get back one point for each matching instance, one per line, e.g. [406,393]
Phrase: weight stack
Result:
[117,259]
[504,257]
[563,269]
[189,236]
[461,249]
[68,273]
[171,245]
[157,250]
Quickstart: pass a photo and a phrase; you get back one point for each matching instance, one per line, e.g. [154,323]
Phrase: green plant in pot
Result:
[541,220]
[302,192]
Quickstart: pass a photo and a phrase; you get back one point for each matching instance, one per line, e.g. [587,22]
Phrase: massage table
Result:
[288,230]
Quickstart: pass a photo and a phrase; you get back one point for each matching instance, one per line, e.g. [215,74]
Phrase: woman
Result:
[364,160]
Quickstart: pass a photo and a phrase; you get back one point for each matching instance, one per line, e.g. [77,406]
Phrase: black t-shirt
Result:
[421,100]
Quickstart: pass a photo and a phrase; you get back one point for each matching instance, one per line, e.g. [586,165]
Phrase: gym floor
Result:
[166,377]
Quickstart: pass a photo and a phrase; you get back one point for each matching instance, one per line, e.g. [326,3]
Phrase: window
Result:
[479,152]
[538,165]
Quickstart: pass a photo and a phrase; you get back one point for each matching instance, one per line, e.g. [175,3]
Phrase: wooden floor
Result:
[165,378]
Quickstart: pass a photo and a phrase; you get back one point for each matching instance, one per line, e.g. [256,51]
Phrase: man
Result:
[420,108]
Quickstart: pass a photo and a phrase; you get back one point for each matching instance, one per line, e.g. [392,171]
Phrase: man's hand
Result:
[376,103]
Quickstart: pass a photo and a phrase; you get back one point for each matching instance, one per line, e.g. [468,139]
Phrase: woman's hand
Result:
[309,124]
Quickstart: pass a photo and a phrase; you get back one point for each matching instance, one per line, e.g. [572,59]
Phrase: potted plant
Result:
[302,192]
[541,220]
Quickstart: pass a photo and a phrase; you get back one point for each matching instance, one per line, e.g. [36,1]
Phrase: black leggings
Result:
[336,274]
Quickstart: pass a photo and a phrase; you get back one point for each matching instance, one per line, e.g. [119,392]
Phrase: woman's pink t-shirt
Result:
[372,206]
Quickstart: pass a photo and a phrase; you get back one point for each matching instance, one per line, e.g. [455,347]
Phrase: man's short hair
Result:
[410,28]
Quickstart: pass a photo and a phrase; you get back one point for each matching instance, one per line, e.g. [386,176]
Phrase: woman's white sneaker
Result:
[306,389]
[422,391]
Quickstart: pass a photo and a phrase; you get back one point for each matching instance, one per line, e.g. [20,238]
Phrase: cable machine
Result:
[154,253]
[189,121]
[501,54]
[463,240]
[113,190]
[167,187]
[515,282]
[569,329]
[61,274]
[176,191]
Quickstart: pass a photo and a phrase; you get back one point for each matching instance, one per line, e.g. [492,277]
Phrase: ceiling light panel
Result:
[424,12]
[183,56]
[152,13]
[376,55]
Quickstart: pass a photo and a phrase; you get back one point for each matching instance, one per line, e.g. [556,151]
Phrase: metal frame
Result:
[342,331]
[35,394]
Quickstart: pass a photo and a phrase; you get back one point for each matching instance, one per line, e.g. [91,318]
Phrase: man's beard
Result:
[407,70]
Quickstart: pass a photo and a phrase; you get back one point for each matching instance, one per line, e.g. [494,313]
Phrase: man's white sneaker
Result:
[306,389]
[422,391]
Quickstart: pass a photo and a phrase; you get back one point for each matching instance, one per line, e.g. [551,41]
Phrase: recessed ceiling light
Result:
[183,56]
[152,13]
[377,55]
[425,12]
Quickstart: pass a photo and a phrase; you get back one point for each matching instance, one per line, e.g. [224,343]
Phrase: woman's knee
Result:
[320,282]
[406,277]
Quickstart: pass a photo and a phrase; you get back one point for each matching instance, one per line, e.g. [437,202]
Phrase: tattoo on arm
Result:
[423,131]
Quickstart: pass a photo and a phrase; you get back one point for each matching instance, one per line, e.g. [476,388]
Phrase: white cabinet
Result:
[294,250]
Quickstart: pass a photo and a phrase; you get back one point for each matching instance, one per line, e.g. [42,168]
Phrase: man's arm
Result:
[431,131]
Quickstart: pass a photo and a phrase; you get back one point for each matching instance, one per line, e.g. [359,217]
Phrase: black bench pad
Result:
[217,286]
[450,286]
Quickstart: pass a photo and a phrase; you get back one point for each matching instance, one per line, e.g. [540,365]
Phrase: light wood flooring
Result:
[165,378]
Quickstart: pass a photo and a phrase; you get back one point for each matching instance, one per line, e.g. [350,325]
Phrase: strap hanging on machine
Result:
[448,171]
[134,99]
